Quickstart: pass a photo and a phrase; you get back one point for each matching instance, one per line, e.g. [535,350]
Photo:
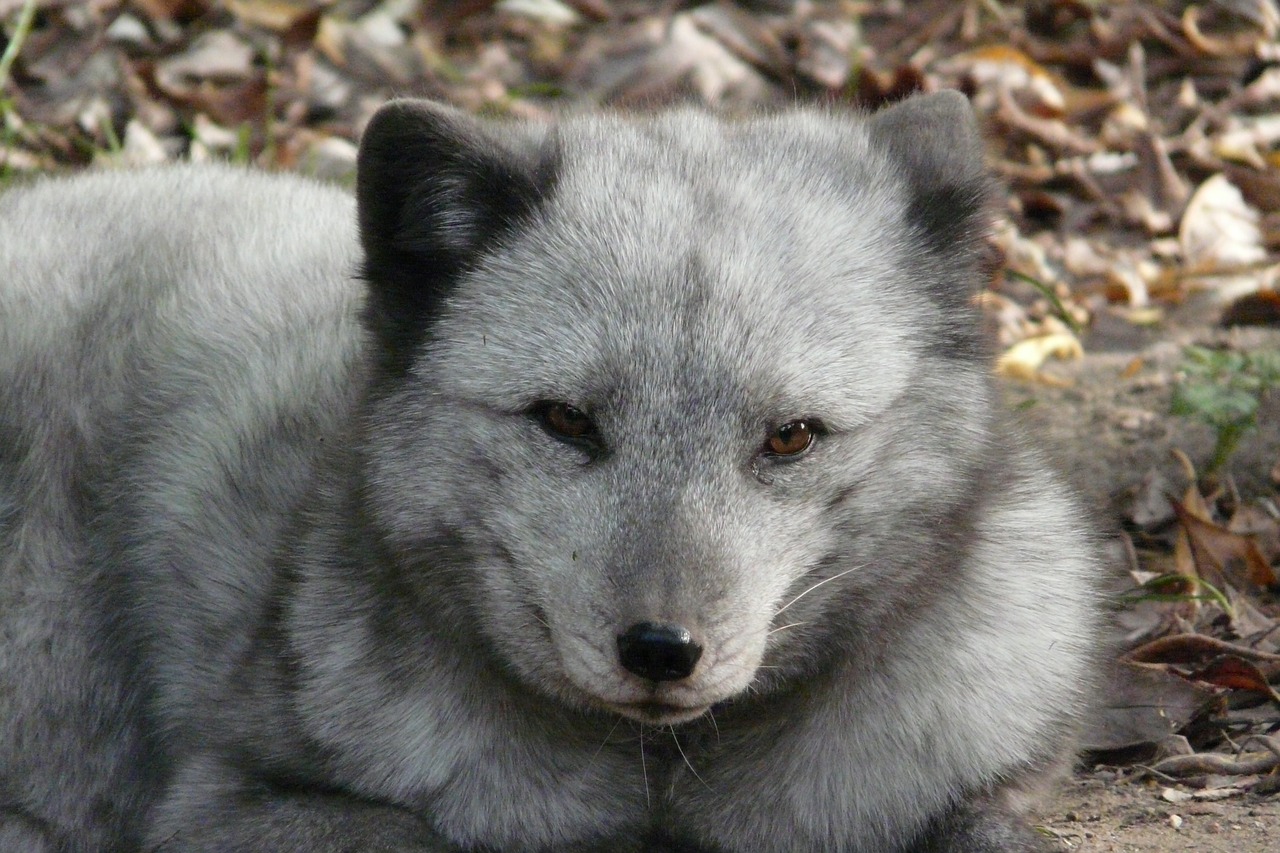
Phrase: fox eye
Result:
[564,421]
[791,439]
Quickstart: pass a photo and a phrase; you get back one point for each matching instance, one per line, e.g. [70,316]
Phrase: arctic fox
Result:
[622,484]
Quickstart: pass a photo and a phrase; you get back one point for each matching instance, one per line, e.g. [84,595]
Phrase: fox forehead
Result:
[531,329]
[697,271]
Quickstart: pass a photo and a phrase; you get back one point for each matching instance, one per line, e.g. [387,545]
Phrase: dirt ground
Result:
[1099,815]
[1109,430]
[1109,424]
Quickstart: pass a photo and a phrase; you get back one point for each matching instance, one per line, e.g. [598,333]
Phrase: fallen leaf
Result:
[1003,70]
[1220,237]
[1247,139]
[1254,309]
[173,10]
[1218,552]
[1213,763]
[826,50]
[1142,707]
[744,35]
[275,15]
[1234,673]
[1192,649]
[547,12]
[1025,359]
[219,56]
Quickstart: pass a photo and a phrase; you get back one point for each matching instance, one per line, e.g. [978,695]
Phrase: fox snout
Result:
[658,652]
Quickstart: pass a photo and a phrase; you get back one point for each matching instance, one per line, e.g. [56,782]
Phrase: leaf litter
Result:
[1139,143]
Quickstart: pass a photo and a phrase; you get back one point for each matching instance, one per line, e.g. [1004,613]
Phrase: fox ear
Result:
[435,188]
[937,144]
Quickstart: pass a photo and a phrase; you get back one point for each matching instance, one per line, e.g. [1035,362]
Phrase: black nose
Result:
[658,652]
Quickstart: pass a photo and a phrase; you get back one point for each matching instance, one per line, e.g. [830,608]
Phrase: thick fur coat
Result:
[617,485]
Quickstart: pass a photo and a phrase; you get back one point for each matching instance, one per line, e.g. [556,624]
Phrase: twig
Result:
[1212,763]
[20,32]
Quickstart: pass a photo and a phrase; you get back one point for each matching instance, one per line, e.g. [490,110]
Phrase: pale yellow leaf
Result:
[1025,359]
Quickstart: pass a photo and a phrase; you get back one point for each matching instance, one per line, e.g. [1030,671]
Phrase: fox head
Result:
[698,401]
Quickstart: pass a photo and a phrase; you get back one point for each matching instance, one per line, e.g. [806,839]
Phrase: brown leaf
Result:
[1254,309]
[275,15]
[1142,707]
[1254,520]
[1239,44]
[173,10]
[1190,649]
[874,89]
[1235,673]
[1000,71]
[1053,132]
[1217,551]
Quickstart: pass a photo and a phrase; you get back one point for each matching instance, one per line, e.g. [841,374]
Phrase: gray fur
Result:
[287,561]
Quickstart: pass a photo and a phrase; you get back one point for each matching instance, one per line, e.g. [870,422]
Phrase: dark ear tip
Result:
[948,103]
[387,119]
[947,111]
[396,120]
[935,136]
[951,108]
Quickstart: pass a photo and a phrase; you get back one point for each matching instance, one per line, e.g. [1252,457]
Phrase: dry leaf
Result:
[1001,69]
[744,35]
[1216,552]
[1247,140]
[1220,233]
[1235,673]
[715,73]
[826,50]
[1024,359]
[275,15]
[1193,649]
[1254,309]
[1142,706]
[219,56]
[548,12]
[173,10]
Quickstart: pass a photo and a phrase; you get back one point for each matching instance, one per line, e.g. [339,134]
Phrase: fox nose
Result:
[658,652]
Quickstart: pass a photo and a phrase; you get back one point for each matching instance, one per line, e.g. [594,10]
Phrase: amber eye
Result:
[564,421]
[791,439]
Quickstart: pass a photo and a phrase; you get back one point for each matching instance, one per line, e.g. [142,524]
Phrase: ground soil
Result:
[1096,815]
[1109,423]
[1111,427]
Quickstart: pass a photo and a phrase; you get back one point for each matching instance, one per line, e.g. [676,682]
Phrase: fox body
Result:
[617,485]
